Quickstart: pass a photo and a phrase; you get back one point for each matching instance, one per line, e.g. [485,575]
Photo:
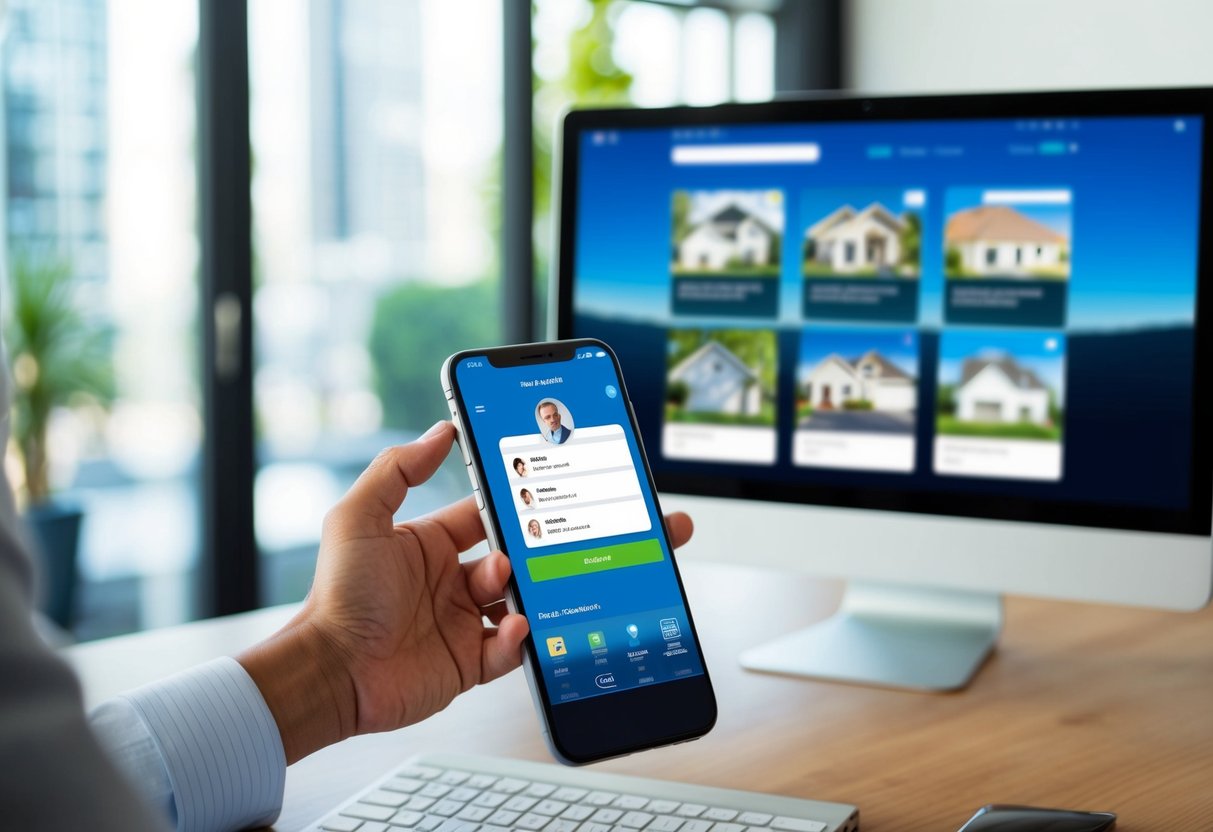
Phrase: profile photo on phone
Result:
[554,420]
[533,529]
[519,465]
[527,499]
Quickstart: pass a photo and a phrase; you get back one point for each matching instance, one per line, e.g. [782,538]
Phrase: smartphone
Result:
[558,471]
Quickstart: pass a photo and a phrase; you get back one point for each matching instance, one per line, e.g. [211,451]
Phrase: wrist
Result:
[306,686]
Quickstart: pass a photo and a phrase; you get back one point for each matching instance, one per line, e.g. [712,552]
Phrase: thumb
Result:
[367,508]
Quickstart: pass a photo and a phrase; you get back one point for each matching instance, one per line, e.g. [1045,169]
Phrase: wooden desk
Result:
[1082,707]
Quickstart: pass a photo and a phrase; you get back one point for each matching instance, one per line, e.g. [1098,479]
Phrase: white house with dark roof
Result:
[718,382]
[1000,390]
[998,239]
[731,235]
[871,377]
[850,241]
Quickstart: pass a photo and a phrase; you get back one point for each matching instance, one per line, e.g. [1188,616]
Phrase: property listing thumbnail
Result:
[720,396]
[856,399]
[861,253]
[1007,256]
[1001,404]
[725,253]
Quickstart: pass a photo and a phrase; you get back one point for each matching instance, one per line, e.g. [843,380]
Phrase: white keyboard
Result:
[458,793]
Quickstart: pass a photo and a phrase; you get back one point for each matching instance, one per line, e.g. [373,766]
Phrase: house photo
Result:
[738,233]
[861,380]
[1004,241]
[1001,384]
[867,241]
[721,377]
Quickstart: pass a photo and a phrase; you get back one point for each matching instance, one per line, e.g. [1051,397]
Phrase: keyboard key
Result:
[607,815]
[463,794]
[561,826]
[446,808]
[576,813]
[481,781]
[728,827]
[368,812]
[540,789]
[719,814]
[430,822]
[488,827]
[405,817]
[340,824]
[503,817]
[520,803]
[600,798]
[636,820]
[696,826]
[491,800]
[532,821]
[419,772]
[661,807]
[385,798]
[797,825]
[550,807]
[594,827]
[510,786]
[434,790]
[475,813]
[373,826]
[754,818]
[408,785]
[630,801]
[419,804]
[691,810]
[453,825]
[665,823]
[569,794]
[453,778]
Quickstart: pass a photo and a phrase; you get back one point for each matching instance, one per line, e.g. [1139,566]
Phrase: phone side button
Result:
[479,499]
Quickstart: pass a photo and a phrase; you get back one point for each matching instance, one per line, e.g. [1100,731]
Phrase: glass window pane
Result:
[376,142]
[100,202]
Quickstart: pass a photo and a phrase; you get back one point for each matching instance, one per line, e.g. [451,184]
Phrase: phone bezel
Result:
[610,725]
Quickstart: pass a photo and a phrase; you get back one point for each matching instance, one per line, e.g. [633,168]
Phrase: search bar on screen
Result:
[745,154]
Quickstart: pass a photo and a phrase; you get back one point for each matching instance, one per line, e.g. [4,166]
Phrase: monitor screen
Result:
[977,306]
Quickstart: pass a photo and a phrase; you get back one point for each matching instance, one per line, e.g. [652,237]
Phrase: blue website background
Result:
[639,596]
[1131,295]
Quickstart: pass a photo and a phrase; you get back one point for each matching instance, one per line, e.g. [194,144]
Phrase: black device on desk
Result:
[1001,818]
[946,347]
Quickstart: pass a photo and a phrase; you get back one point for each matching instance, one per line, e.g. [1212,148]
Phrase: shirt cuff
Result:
[220,746]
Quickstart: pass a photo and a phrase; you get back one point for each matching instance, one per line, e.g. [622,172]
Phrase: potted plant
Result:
[59,358]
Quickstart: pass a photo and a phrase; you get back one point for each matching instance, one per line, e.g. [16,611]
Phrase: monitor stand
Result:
[893,636]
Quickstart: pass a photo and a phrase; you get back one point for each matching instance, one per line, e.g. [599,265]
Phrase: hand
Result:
[393,628]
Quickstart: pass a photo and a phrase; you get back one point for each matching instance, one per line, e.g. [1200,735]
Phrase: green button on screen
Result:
[589,561]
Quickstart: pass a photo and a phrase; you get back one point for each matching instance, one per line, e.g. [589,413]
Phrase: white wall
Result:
[958,45]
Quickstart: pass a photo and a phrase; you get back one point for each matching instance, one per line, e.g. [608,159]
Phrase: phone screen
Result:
[564,476]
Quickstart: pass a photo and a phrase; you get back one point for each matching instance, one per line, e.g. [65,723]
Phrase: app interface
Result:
[565,477]
[986,307]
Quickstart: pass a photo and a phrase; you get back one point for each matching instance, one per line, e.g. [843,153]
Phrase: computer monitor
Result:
[943,347]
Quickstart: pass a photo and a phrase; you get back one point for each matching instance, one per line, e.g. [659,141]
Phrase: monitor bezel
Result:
[1197,520]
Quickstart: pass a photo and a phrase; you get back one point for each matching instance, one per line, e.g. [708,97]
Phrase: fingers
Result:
[495,612]
[459,521]
[487,578]
[502,652]
[371,501]
[680,528]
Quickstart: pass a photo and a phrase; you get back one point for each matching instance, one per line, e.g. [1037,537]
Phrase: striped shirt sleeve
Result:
[215,740]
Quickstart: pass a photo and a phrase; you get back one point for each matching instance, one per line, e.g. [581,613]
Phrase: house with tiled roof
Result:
[1000,240]
[718,381]
[871,377]
[998,389]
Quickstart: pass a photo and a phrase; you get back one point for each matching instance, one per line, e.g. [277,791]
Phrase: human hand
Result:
[393,628]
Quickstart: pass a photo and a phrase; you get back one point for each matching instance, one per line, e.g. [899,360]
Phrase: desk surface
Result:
[1081,706]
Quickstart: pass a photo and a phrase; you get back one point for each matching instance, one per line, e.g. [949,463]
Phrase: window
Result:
[991,256]
[376,130]
[99,151]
